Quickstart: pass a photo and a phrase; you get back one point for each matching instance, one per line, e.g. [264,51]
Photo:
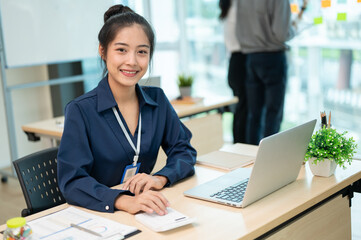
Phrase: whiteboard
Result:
[51,31]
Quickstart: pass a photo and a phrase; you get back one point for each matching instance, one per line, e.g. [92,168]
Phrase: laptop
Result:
[278,162]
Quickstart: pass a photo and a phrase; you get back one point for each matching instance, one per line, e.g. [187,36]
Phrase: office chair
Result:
[37,174]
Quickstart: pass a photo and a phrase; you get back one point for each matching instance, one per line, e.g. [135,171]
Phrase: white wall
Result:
[47,23]
[29,105]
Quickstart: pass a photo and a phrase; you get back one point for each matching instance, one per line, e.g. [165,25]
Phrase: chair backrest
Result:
[207,133]
[207,136]
[150,81]
[37,174]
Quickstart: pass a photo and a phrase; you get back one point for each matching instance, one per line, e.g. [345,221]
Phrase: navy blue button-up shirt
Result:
[94,151]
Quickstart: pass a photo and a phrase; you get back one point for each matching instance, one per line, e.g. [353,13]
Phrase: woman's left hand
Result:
[143,182]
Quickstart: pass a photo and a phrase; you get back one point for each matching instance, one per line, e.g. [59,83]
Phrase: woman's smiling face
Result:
[127,57]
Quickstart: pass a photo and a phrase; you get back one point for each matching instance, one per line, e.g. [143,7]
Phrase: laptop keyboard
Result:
[233,193]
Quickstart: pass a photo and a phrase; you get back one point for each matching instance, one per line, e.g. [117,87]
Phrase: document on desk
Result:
[157,223]
[60,226]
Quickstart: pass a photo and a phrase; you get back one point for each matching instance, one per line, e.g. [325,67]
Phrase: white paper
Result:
[56,226]
[166,222]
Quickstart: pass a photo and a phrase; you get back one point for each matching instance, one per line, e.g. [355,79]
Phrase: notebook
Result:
[230,157]
[278,162]
[225,160]
[241,148]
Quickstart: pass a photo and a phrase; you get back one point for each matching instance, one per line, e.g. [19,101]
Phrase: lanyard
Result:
[136,150]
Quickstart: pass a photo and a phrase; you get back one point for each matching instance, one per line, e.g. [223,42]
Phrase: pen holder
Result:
[17,229]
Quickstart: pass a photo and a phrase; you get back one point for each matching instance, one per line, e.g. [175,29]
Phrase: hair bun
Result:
[115,10]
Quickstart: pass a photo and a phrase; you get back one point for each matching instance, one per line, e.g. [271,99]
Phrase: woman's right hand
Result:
[149,202]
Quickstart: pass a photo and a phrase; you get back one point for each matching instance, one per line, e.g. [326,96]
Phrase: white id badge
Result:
[130,171]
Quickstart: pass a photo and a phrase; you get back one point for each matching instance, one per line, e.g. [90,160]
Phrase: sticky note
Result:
[317,20]
[294,8]
[342,1]
[341,16]
[326,3]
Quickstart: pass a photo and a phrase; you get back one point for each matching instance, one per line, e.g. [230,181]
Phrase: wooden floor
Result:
[12,202]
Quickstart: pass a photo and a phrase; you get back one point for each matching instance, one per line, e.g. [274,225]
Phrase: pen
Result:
[85,229]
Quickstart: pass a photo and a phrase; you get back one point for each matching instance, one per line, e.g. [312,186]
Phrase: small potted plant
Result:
[327,149]
[185,85]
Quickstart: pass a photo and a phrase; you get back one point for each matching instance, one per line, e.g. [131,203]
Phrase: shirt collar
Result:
[143,97]
[106,99]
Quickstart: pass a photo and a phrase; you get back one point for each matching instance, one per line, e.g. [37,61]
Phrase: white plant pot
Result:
[325,168]
[185,91]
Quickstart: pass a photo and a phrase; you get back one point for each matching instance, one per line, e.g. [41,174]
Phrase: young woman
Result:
[113,133]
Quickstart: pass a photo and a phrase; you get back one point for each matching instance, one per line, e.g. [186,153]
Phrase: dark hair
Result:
[224,5]
[118,17]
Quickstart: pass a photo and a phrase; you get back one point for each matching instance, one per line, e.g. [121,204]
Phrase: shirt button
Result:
[107,207]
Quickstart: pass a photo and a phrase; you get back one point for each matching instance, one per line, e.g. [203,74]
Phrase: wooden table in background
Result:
[53,128]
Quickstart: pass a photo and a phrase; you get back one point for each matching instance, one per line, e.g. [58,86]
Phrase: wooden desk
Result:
[53,128]
[309,208]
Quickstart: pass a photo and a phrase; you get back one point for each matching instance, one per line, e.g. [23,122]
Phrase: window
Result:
[325,62]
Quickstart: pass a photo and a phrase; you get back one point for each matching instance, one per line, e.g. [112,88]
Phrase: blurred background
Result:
[324,66]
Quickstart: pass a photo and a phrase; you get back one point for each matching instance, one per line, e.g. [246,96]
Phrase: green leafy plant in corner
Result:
[327,143]
[184,81]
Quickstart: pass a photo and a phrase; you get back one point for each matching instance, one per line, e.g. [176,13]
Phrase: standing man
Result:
[263,28]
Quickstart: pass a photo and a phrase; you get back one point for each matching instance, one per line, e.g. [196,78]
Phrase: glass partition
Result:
[324,58]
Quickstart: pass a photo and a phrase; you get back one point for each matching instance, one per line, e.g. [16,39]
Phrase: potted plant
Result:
[327,149]
[185,85]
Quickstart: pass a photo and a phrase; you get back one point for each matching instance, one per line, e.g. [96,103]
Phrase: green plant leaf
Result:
[184,80]
[327,143]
